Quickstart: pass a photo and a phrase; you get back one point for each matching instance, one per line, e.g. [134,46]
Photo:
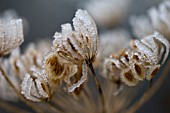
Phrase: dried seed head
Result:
[157,19]
[80,44]
[78,47]
[43,82]
[11,34]
[141,61]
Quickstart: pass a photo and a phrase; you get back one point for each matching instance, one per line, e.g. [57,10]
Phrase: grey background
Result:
[46,16]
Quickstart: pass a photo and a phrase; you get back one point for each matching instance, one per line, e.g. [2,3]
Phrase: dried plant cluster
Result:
[56,75]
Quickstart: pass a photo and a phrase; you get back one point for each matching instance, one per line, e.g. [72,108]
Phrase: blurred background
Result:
[44,17]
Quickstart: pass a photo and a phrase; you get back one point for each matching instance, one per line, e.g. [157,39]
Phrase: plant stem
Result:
[98,88]
[18,92]
[11,108]
[56,107]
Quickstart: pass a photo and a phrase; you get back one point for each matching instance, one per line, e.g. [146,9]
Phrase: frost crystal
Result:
[11,35]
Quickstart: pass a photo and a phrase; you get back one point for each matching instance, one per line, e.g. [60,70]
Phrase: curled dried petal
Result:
[83,78]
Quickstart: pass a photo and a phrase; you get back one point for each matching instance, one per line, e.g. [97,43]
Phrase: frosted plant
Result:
[11,34]
[78,46]
[112,42]
[157,19]
[42,71]
[114,11]
[71,51]
[142,61]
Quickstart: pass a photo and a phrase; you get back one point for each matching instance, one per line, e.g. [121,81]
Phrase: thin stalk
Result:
[11,108]
[18,92]
[56,107]
[149,92]
[98,88]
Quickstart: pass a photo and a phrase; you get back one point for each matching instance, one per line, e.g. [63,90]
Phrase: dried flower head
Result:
[141,61]
[78,46]
[41,84]
[11,34]
[17,65]
[157,19]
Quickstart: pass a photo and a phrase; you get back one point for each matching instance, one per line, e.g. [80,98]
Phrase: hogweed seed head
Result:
[78,46]
[141,61]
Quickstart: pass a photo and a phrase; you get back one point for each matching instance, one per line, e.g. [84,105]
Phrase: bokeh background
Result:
[44,17]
